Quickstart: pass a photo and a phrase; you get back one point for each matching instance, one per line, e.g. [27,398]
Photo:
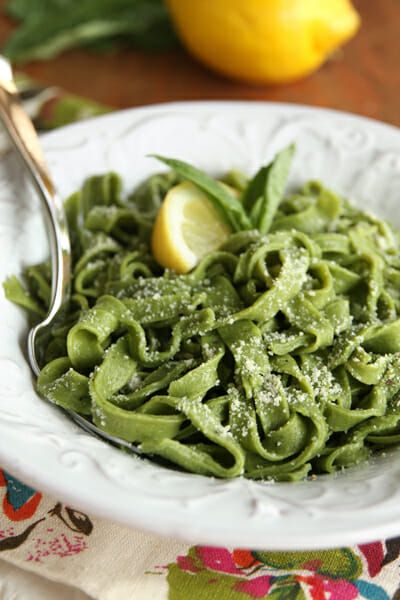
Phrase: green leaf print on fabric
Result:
[336,563]
[204,585]
[290,591]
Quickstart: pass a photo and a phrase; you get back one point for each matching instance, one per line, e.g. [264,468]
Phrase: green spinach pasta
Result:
[276,357]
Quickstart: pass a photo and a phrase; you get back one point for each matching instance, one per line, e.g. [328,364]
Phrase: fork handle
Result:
[23,136]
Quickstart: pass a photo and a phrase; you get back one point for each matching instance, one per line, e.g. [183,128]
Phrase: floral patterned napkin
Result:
[110,562]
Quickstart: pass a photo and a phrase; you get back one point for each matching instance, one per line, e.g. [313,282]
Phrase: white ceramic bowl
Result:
[353,155]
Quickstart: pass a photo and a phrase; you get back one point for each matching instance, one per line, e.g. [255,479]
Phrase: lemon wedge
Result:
[187,228]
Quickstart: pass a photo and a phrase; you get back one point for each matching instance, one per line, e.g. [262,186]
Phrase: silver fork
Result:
[23,136]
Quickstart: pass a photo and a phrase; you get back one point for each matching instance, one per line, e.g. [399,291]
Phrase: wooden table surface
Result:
[363,78]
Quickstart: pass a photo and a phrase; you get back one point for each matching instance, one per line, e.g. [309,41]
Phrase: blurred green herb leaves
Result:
[48,27]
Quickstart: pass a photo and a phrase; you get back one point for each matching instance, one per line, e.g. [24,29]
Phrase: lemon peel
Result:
[264,41]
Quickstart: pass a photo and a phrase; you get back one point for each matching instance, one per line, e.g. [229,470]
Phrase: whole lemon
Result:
[264,41]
